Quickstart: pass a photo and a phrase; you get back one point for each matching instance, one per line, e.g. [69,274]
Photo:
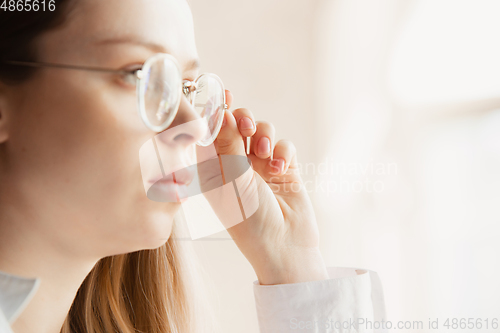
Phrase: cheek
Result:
[77,130]
[77,149]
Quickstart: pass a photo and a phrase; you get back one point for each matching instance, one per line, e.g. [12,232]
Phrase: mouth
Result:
[173,187]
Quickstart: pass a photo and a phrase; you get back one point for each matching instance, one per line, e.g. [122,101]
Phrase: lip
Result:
[168,181]
[180,175]
[168,191]
[173,187]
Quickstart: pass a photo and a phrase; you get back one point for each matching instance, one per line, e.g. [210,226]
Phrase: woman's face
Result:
[70,161]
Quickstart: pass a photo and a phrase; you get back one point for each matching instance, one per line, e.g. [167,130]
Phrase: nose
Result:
[187,127]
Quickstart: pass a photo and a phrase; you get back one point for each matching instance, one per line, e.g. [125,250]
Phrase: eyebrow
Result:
[193,64]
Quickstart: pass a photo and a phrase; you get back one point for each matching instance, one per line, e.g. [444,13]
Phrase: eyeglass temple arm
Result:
[137,72]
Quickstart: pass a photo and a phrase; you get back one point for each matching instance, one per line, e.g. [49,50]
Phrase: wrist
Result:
[305,266]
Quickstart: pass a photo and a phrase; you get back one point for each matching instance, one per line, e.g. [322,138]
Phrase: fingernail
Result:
[246,123]
[224,121]
[264,146]
[278,165]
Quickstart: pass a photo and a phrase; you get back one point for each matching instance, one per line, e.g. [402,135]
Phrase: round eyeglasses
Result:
[160,86]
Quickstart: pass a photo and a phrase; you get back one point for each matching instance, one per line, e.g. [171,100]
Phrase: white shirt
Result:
[351,296]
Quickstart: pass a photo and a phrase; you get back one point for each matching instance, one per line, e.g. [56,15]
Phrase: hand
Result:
[280,239]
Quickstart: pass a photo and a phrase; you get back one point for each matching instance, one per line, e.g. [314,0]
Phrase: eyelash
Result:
[128,79]
[131,78]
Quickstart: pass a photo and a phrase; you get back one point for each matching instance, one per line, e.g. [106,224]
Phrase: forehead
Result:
[166,23]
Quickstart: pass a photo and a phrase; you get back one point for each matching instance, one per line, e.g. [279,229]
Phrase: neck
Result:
[28,252]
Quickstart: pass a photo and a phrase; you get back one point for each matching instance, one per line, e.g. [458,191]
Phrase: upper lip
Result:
[182,176]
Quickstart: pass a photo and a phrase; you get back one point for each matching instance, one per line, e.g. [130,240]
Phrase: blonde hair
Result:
[145,291]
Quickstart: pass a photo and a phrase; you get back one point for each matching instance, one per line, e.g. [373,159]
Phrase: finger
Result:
[229,98]
[245,120]
[262,142]
[282,168]
[229,141]
[284,154]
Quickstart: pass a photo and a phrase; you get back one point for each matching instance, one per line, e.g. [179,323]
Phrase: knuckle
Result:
[241,111]
[225,144]
[266,125]
[287,144]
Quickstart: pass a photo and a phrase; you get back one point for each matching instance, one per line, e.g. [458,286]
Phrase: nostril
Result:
[183,137]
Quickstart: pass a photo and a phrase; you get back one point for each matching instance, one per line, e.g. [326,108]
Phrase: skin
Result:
[71,189]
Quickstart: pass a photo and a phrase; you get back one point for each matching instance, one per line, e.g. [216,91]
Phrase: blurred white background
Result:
[394,107]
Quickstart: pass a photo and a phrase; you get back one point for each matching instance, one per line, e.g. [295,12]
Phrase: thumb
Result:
[230,141]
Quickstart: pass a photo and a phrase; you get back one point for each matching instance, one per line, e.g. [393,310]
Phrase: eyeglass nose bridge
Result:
[189,89]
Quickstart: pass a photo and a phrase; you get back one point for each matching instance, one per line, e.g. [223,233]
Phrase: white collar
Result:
[15,294]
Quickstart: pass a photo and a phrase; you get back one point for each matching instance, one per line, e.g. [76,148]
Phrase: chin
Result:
[156,228]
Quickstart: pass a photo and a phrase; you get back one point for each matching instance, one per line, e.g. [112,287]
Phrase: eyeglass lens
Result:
[161,91]
[209,103]
[160,88]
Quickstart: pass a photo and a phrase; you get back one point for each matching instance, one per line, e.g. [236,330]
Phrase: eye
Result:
[129,78]
[129,75]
